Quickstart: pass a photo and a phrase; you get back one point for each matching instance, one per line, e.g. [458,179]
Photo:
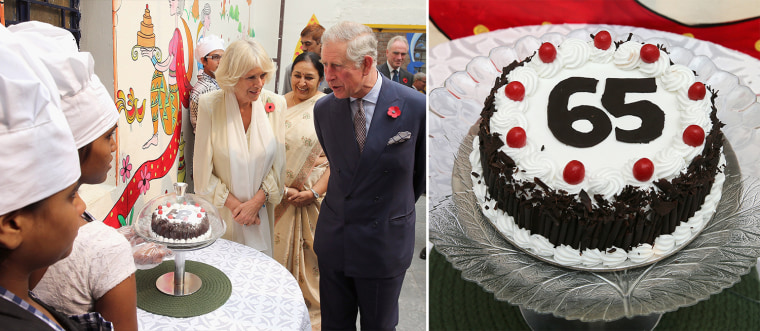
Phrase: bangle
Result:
[266,194]
[316,195]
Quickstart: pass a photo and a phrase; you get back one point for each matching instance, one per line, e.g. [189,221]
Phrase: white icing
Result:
[627,56]
[568,256]
[182,213]
[527,76]
[614,257]
[574,53]
[641,253]
[576,58]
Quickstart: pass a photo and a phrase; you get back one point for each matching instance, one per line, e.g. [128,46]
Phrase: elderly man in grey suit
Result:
[373,133]
[396,52]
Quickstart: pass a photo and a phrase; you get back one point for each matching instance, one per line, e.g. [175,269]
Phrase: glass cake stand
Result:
[179,282]
[716,259]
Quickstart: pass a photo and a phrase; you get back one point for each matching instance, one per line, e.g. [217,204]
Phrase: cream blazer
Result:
[211,163]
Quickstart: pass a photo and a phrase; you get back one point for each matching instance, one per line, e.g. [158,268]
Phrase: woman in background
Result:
[239,154]
[306,174]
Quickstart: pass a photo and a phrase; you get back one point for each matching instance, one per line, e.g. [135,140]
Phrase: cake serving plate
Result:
[179,282]
[713,260]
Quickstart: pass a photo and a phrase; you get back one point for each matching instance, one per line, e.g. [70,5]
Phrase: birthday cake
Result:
[146,37]
[180,223]
[599,153]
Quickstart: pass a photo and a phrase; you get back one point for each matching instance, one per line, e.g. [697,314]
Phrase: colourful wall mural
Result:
[154,69]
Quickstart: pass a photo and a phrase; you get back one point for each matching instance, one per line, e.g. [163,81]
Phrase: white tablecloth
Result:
[265,296]
[461,75]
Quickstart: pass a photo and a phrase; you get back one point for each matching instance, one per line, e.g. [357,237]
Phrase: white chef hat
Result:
[38,157]
[88,107]
[206,45]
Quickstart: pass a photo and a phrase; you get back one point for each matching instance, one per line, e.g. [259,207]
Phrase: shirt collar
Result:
[374,93]
[390,68]
[8,295]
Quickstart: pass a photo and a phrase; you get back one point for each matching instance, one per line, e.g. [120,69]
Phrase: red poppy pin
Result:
[269,106]
[394,112]
[405,80]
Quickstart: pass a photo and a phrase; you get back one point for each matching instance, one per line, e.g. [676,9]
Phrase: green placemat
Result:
[214,291]
[456,304]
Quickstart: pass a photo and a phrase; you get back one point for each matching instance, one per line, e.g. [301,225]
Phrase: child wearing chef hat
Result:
[208,52]
[99,274]
[39,206]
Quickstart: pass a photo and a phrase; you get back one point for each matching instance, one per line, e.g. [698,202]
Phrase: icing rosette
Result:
[527,76]
[614,257]
[627,56]
[656,68]
[677,78]
[641,253]
[546,70]
[567,256]
[574,53]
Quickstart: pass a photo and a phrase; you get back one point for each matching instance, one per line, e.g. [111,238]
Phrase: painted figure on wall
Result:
[169,92]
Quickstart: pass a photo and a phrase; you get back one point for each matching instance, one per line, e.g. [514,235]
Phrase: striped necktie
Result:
[395,75]
[360,125]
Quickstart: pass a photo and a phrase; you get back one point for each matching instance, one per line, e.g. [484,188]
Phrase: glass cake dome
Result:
[184,211]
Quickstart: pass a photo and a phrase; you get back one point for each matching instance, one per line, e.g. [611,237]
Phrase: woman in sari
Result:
[306,174]
[239,145]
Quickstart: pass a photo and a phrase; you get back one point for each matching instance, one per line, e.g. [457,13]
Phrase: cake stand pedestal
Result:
[179,282]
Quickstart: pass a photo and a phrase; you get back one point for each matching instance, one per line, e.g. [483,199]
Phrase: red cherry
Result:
[515,91]
[197,204]
[547,52]
[160,206]
[199,215]
[160,212]
[203,210]
[603,40]
[170,216]
[574,172]
[168,204]
[650,53]
[643,169]
[694,135]
[697,91]
[516,137]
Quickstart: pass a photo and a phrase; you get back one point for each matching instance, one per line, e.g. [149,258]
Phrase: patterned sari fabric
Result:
[294,226]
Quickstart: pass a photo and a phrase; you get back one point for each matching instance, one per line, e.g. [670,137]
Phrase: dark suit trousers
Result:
[375,298]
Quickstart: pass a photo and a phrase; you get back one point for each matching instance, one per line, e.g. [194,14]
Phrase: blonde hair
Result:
[359,39]
[239,58]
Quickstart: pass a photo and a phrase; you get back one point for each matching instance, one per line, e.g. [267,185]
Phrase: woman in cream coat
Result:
[239,148]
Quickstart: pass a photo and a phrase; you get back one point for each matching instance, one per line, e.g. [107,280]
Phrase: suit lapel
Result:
[382,128]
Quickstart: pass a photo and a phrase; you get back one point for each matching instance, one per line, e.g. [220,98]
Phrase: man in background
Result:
[311,41]
[396,53]
[373,134]
[420,81]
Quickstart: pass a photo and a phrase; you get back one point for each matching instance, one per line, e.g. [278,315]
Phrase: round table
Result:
[464,64]
[265,296]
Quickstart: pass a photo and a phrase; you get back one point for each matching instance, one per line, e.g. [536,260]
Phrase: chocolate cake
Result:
[180,223]
[594,153]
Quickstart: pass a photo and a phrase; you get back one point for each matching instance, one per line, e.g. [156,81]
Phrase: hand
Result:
[291,191]
[247,213]
[301,199]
